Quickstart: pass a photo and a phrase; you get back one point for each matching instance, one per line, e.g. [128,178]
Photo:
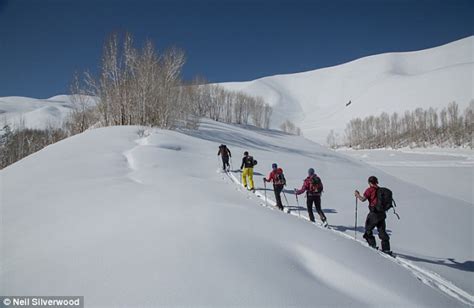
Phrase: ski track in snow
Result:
[429,278]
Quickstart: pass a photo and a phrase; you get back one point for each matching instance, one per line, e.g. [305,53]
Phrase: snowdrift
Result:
[392,82]
[144,221]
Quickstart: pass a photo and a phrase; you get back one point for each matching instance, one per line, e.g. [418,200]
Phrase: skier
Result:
[276,176]
[224,152]
[313,187]
[247,170]
[374,218]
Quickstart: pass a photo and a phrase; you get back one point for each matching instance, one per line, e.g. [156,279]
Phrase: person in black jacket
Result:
[224,152]
[247,170]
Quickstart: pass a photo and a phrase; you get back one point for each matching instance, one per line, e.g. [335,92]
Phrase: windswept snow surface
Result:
[36,113]
[130,221]
[392,82]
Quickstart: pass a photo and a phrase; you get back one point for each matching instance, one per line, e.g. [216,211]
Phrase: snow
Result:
[146,221]
[449,172]
[36,113]
[392,82]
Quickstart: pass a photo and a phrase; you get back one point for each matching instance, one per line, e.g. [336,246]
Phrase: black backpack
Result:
[385,201]
[250,162]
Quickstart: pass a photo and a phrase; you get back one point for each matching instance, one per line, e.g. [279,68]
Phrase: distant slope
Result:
[145,221]
[391,82]
[316,100]
[424,167]
[35,113]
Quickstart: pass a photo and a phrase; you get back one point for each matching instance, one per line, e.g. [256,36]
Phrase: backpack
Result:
[250,162]
[315,185]
[224,150]
[385,201]
[279,179]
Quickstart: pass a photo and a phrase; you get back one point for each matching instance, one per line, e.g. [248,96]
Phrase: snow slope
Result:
[35,113]
[429,168]
[146,221]
[391,82]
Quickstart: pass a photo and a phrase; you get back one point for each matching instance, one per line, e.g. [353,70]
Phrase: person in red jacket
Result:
[313,187]
[374,218]
[276,176]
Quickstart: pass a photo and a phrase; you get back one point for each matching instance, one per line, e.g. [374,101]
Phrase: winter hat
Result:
[274,166]
[373,180]
[310,171]
[246,153]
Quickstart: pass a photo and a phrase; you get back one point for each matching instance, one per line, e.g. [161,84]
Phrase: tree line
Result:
[144,87]
[21,142]
[420,127]
[138,86]
[290,128]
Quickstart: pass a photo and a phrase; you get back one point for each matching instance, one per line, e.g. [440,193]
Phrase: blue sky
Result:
[42,42]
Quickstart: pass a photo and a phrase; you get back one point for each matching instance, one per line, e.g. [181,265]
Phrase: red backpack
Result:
[315,185]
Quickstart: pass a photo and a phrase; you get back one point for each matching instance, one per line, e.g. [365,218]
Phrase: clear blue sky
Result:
[42,42]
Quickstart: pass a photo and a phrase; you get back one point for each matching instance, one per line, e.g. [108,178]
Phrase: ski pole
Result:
[286,199]
[265,189]
[355,225]
[298,204]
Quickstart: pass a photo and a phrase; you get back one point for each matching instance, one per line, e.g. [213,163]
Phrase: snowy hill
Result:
[129,220]
[35,113]
[391,82]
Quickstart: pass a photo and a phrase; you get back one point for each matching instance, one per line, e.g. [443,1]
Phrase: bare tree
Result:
[420,127]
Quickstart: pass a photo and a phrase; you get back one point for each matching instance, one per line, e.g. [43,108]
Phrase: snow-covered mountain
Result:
[392,82]
[316,100]
[145,220]
[36,113]
[127,219]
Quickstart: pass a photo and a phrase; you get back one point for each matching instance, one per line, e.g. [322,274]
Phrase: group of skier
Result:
[313,186]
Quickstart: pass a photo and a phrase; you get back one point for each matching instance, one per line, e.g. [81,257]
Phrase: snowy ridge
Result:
[392,82]
[429,278]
